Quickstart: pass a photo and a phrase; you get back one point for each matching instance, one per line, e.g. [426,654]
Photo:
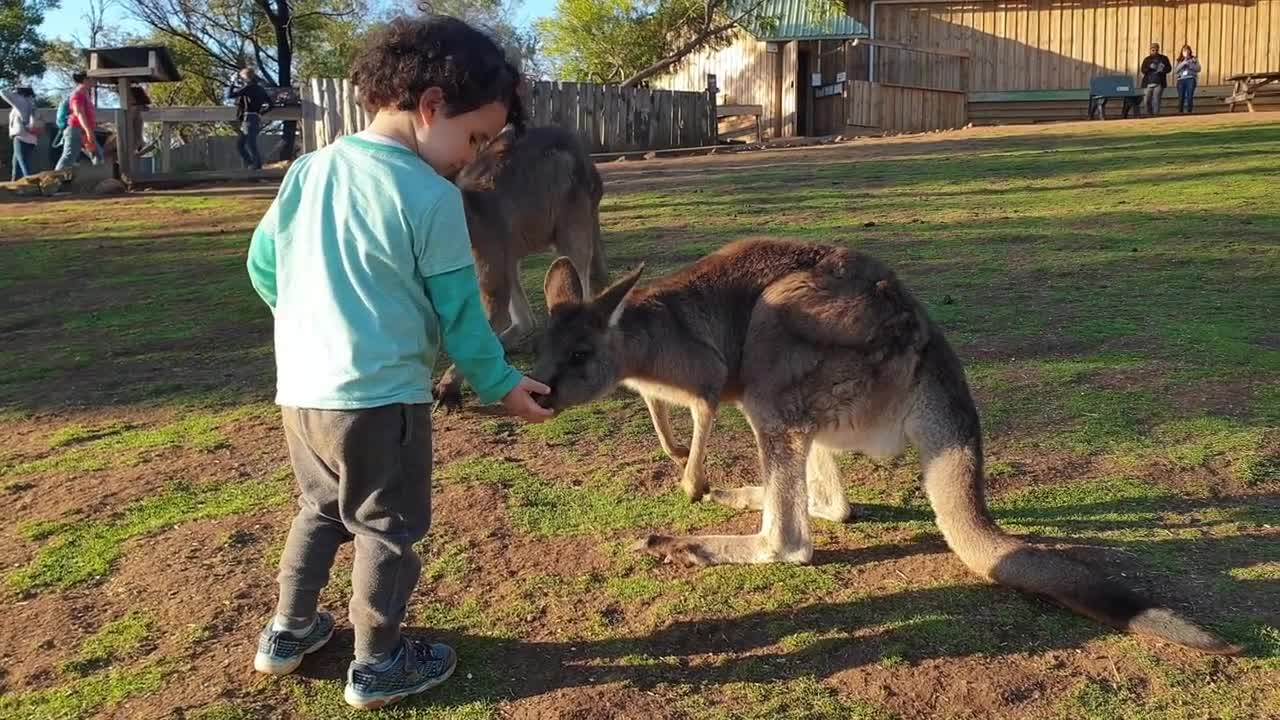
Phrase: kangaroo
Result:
[524,193]
[825,350]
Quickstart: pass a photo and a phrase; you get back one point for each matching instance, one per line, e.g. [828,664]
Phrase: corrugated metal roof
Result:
[802,20]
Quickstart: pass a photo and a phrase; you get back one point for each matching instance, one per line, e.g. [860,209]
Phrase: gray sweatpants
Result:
[364,475]
[1152,96]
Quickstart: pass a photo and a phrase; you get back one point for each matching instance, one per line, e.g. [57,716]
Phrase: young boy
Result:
[364,258]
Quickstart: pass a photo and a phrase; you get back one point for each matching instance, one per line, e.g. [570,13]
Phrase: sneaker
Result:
[419,667]
[280,653]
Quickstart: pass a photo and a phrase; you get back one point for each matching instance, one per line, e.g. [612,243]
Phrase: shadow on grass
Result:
[174,319]
[1040,157]
[911,625]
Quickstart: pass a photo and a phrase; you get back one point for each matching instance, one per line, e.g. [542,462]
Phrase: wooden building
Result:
[1027,60]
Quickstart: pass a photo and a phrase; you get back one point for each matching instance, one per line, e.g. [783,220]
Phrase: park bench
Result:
[1105,87]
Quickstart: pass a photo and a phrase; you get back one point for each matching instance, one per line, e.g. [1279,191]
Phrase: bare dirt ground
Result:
[1125,363]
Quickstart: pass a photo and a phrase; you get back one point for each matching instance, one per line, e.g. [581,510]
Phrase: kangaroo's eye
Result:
[577,357]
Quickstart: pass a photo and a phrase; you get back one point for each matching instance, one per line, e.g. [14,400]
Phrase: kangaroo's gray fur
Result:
[526,192]
[825,350]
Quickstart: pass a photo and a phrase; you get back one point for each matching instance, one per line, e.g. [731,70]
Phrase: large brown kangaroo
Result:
[524,193]
[825,350]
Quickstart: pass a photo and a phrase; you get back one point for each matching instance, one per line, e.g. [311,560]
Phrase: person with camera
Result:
[252,102]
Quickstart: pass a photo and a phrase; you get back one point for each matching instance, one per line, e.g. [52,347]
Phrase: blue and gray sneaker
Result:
[280,653]
[417,667]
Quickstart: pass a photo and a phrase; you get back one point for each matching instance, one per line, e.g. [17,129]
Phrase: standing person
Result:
[252,102]
[22,129]
[81,123]
[1155,78]
[365,259]
[1187,71]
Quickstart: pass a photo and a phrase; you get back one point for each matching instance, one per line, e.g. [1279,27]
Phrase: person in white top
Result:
[22,129]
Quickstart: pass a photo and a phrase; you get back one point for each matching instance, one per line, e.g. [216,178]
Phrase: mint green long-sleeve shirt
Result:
[365,261]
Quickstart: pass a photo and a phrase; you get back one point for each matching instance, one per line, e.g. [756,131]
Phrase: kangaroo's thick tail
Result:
[944,426]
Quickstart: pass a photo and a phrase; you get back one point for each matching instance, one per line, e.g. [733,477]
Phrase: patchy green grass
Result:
[76,434]
[85,696]
[734,589]
[592,421]
[323,701]
[802,699]
[117,640]
[603,504]
[1164,691]
[115,444]
[1123,355]
[223,711]
[448,563]
[86,549]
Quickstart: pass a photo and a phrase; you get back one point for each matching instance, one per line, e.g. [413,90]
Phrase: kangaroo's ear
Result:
[562,286]
[609,303]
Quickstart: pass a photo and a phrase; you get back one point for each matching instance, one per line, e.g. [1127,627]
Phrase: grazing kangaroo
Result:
[825,350]
[524,193]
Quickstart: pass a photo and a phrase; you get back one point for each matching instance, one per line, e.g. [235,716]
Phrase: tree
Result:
[21,47]
[630,41]
[64,57]
[495,17]
[233,34]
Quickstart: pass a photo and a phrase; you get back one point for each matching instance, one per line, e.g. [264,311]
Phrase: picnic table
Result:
[1247,85]
[1105,87]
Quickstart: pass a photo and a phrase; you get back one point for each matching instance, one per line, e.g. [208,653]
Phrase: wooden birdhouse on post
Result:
[125,67]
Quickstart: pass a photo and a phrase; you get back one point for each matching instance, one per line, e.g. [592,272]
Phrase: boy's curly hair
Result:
[409,55]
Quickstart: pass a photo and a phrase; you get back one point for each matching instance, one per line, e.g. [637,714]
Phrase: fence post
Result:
[166,151]
[713,125]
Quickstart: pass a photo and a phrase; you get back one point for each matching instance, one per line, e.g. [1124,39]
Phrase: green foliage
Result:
[595,41]
[21,47]
[497,17]
[627,41]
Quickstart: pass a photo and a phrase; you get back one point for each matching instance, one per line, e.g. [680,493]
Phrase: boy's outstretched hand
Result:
[520,401]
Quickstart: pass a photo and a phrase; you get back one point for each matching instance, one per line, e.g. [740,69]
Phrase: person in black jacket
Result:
[252,102]
[1155,78]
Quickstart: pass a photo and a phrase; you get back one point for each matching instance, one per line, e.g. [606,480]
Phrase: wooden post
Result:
[713,128]
[124,133]
[166,139]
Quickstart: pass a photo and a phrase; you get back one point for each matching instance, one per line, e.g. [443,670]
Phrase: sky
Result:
[67,19]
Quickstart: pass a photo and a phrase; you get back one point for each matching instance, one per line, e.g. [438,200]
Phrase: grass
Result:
[1123,356]
[85,696]
[76,434]
[223,711]
[116,640]
[603,504]
[87,449]
[80,551]
[323,701]
[802,699]
[592,421]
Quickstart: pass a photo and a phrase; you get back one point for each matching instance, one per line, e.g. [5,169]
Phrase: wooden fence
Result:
[608,118]
[905,109]
[883,97]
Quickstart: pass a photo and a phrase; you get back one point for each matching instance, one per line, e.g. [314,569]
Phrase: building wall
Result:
[746,74]
[1060,44]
